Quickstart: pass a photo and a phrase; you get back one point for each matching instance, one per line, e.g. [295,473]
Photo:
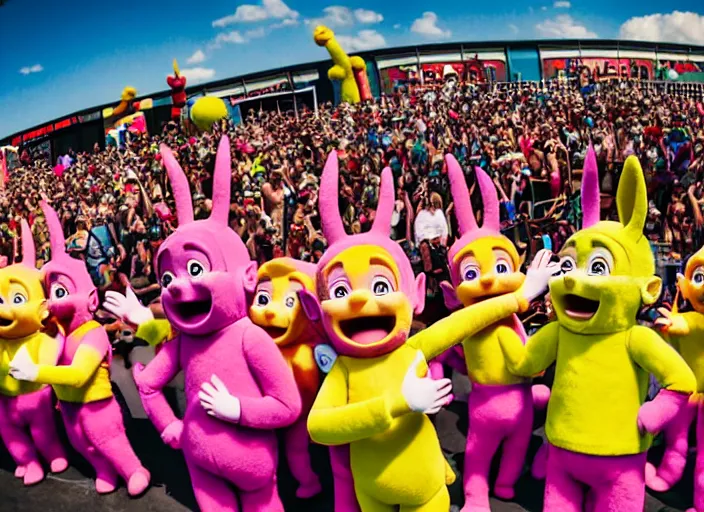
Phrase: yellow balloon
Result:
[208,110]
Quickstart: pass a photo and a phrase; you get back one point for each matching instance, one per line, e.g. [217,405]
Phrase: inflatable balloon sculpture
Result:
[177,84]
[207,111]
[350,71]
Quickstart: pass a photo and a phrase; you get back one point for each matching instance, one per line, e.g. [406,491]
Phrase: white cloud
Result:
[334,16]
[286,23]
[563,26]
[397,26]
[427,26]
[513,28]
[197,57]
[195,75]
[364,40]
[543,8]
[27,70]
[254,34]
[248,13]
[676,27]
[367,16]
[562,4]
[232,37]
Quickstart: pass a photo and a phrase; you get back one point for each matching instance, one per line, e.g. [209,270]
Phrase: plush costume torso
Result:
[598,425]
[27,407]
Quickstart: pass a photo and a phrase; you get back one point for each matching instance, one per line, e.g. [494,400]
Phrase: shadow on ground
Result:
[73,490]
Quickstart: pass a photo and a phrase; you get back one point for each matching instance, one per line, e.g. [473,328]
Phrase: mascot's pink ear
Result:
[310,305]
[420,294]
[250,277]
[448,292]
[93,301]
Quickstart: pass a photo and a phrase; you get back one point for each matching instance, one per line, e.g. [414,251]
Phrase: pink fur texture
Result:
[206,275]
[96,430]
[27,425]
[617,484]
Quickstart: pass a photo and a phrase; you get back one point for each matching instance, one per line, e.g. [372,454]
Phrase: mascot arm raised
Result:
[535,356]
[151,380]
[280,404]
[466,322]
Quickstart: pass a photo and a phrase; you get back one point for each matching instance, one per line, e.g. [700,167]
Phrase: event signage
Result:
[45,130]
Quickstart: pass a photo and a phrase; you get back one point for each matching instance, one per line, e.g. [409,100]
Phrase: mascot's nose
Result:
[358,299]
[569,282]
[487,281]
[269,315]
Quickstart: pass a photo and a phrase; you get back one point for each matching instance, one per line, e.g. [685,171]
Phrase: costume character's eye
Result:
[195,268]
[166,279]
[290,301]
[339,290]
[567,264]
[470,273]
[381,286]
[698,277]
[262,298]
[598,266]
[18,299]
[503,267]
[58,291]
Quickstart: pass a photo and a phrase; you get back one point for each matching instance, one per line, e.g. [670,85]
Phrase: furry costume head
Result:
[691,284]
[483,262]
[607,266]
[204,267]
[73,298]
[23,306]
[276,307]
[365,282]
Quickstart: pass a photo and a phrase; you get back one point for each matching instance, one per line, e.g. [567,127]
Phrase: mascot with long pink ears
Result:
[483,264]
[378,392]
[27,423]
[238,385]
[81,380]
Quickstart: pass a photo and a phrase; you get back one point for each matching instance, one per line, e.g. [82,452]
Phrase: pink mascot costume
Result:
[81,380]
[26,408]
[228,440]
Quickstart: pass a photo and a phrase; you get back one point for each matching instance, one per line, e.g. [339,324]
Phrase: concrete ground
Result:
[73,490]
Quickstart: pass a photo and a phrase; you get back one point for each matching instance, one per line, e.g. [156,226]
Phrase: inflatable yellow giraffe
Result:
[346,69]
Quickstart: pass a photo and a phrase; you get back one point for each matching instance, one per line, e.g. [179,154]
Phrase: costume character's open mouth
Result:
[6,322]
[275,332]
[368,329]
[580,308]
[195,311]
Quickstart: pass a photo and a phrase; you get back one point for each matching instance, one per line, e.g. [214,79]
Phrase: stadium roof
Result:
[582,44]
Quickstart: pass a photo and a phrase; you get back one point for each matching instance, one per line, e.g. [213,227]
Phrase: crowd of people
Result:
[116,207]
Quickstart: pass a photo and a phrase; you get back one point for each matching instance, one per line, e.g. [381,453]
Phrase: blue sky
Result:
[59,57]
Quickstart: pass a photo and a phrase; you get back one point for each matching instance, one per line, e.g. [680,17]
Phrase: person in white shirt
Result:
[431,222]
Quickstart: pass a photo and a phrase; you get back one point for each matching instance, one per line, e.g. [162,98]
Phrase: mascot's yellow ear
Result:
[43,311]
[650,290]
[177,71]
[632,199]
